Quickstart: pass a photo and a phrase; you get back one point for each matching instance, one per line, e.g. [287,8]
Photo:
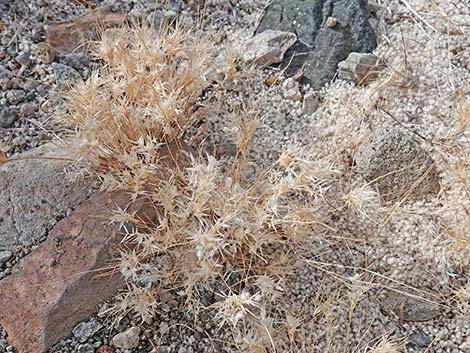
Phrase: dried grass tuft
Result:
[216,228]
[220,228]
[142,98]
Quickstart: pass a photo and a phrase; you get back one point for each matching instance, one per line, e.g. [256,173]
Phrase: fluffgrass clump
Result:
[218,227]
[214,227]
[141,99]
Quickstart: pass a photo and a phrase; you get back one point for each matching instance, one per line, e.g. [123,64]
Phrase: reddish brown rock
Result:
[62,282]
[68,36]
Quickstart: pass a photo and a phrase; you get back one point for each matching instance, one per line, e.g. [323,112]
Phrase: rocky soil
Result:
[403,273]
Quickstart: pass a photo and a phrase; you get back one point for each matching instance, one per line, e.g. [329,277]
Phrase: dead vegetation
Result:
[224,230]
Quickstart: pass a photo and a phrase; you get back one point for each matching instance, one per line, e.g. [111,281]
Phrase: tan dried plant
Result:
[142,98]
[214,226]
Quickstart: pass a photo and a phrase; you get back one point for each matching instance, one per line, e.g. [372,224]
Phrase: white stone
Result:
[128,339]
[291,89]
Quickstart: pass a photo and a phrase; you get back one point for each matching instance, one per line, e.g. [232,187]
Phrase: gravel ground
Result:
[27,82]
[427,55]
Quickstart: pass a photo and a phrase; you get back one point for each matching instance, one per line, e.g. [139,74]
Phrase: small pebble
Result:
[105,349]
[419,339]
[85,330]
[23,58]
[128,339]
[15,96]
[85,348]
[27,109]
[331,22]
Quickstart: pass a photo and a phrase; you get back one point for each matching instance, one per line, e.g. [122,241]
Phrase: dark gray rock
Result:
[76,60]
[7,117]
[5,256]
[320,46]
[419,339]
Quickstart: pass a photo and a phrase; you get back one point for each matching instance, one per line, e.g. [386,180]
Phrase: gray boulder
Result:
[327,31]
[35,194]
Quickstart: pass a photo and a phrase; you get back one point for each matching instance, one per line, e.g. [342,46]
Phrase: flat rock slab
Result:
[35,193]
[61,282]
[268,47]
[360,68]
[397,166]
[410,309]
[327,31]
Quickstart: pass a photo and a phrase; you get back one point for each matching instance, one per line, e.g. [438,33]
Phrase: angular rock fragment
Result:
[61,282]
[396,165]
[268,47]
[85,330]
[7,117]
[128,339]
[321,43]
[65,75]
[68,36]
[5,256]
[310,103]
[360,68]
[408,309]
